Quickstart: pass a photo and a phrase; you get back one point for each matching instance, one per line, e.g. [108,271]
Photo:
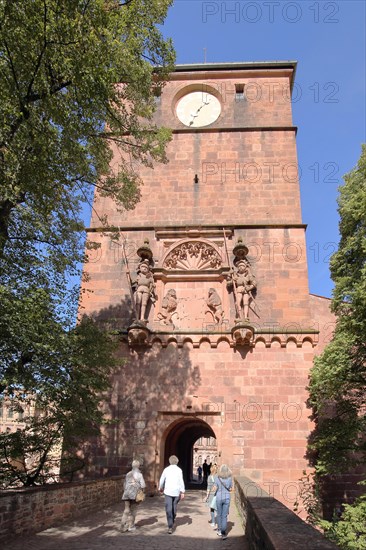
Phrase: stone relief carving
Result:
[242,334]
[168,306]
[138,334]
[215,307]
[191,266]
[193,255]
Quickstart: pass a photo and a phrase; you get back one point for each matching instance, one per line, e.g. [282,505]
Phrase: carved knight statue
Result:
[144,289]
[244,284]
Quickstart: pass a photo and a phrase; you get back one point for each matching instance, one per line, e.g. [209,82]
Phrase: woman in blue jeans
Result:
[223,487]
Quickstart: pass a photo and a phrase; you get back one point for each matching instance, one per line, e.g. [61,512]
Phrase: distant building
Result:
[10,419]
[205,448]
[13,420]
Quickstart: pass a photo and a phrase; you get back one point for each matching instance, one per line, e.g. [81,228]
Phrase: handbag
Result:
[213,504]
[140,496]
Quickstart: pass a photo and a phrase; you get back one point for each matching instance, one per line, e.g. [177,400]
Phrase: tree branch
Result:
[39,60]
[11,467]
[12,65]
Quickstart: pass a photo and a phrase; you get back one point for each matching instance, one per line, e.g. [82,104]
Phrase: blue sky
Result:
[327,39]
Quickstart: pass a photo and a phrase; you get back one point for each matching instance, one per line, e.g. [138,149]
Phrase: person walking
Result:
[206,471]
[223,487]
[210,495]
[199,472]
[172,485]
[133,482]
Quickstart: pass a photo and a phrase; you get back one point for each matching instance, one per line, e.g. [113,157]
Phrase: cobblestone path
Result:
[100,531]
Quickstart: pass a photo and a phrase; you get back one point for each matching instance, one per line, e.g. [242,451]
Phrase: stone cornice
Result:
[242,69]
[216,130]
[173,231]
[236,65]
[195,338]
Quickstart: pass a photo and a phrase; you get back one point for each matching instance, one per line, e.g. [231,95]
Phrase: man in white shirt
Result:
[172,484]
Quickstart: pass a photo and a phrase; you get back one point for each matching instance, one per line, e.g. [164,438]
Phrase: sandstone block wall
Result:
[270,526]
[26,511]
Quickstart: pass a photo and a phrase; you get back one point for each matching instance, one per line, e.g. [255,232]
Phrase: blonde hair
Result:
[213,469]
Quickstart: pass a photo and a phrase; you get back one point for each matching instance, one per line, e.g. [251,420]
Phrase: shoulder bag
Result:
[140,497]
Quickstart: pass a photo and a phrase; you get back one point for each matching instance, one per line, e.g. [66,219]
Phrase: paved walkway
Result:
[100,531]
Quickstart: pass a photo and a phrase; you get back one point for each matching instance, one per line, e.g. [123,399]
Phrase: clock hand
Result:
[198,110]
[193,115]
[204,103]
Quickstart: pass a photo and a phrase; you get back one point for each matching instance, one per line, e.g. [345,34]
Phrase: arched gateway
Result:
[179,439]
[217,331]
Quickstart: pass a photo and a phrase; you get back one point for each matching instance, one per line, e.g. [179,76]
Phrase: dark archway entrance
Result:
[179,440]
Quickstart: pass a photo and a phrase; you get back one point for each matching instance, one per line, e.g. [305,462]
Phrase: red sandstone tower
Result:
[219,331]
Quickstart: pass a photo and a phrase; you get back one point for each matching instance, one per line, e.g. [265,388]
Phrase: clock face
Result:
[197,109]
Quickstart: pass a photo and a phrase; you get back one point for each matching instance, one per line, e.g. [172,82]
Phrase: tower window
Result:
[239,92]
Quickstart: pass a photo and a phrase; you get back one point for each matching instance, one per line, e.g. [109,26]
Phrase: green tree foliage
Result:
[64,113]
[349,532]
[65,376]
[61,109]
[338,379]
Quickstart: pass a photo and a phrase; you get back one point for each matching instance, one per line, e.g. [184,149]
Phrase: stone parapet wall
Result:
[269,525]
[30,510]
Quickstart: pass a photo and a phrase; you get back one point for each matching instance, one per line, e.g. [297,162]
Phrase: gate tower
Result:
[219,331]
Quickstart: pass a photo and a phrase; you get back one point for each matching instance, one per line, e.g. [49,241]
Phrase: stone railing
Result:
[269,525]
[30,510]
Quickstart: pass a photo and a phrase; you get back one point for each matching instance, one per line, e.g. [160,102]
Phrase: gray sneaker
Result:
[132,528]
[170,531]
